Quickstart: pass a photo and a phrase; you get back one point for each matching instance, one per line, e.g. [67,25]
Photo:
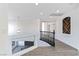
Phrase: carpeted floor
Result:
[60,49]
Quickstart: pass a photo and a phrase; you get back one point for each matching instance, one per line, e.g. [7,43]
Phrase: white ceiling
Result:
[41,11]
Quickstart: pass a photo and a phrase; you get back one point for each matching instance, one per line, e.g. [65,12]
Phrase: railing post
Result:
[54,38]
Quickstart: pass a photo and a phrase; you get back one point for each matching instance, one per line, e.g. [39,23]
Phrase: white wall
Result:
[73,38]
[30,27]
[4,42]
[25,28]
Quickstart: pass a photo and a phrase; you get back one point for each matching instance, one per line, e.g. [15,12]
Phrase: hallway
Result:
[60,49]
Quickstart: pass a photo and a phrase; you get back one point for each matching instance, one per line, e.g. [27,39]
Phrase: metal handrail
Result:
[47,37]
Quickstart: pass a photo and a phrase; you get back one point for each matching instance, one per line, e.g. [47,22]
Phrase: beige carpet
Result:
[60,49]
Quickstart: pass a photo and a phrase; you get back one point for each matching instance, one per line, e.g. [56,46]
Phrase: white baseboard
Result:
[25,51]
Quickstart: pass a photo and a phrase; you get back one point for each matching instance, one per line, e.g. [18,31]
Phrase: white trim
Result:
[25,51]
[78,50]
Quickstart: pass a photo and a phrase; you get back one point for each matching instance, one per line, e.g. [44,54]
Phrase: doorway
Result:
[47,32]
[47,26]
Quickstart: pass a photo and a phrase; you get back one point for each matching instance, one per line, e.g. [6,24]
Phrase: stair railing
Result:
[48,36]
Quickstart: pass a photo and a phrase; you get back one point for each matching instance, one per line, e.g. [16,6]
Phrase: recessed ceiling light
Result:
[41,13]
[18,31]
[57,11]
[36,4]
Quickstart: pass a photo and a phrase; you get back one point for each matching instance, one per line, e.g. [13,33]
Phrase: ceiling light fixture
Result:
[57,11]
[36,4]
[41,13]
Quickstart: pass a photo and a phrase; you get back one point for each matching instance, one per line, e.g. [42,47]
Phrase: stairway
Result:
[48,37]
